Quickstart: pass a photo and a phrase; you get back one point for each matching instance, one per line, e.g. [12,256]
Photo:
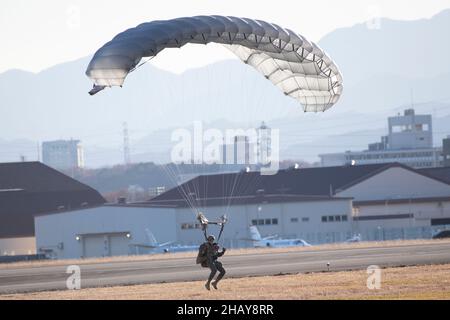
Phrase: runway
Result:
[30,279]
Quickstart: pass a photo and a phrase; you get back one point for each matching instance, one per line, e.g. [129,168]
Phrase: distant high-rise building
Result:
[63,154]
[156,191]
[263,144]
[410,131]
[409,141]
[446,151]
[241,150]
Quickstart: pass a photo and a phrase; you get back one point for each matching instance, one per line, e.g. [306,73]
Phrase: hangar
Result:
[30,188]
[320,205]
[121,229]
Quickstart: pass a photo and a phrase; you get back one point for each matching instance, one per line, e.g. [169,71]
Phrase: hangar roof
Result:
[31,188]
[36,177]
[235,200]
[319,181]
[442,173]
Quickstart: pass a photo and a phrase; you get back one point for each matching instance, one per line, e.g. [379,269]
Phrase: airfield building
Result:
[30,188]
[319,205]
[63,154]
[409,141]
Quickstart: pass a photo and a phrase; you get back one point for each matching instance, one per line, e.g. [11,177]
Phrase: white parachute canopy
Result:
[299,68]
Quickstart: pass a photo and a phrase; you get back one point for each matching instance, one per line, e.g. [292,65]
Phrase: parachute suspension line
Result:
[204,227]
[173,176]
[232,185]
[245,90]
[175,171]
[198,167]
[221,231]
[141,64]
[236,179]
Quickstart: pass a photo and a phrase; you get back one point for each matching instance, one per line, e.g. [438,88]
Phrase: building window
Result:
[294,220]
[339,218]
[190,226]
[262,222]
[305,219]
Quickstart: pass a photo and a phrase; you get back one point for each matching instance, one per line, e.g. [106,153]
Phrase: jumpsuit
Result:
[210,261]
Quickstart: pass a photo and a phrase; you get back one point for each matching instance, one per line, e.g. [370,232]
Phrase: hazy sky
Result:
[37,34]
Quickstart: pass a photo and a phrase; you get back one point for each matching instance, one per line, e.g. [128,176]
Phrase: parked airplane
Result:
[270,241]
[152,246]
[355,238]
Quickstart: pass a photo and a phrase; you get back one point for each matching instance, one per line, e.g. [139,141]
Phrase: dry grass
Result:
[420,282]
[176,255]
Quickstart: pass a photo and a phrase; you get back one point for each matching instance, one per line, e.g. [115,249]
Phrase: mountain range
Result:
[399,65]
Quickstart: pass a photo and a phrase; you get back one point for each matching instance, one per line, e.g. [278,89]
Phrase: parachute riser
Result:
[204,223]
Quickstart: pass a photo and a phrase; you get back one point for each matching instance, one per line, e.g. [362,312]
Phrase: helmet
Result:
[211,237]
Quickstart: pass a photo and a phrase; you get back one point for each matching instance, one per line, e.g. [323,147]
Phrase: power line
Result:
[126,145]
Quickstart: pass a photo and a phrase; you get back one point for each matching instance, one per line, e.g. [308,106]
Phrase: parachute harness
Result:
[204,222]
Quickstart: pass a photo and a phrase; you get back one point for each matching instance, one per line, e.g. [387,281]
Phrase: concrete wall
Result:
[417,226]
[17,246]
[421,211]
[240,217]
[58,231]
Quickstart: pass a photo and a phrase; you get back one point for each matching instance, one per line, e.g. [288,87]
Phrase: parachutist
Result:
[207,257]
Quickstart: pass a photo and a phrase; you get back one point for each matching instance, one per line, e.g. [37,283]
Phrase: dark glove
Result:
[224,249]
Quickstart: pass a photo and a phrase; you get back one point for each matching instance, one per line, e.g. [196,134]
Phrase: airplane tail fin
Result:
[151,238]
[254,234]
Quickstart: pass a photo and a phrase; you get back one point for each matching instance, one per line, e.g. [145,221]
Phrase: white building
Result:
[399,203]
[120,229]
[410,141]
[63,154]
[410,131]
[320,205]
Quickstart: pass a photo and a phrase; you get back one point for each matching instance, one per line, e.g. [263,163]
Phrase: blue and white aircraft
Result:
[271,241]
[153,246]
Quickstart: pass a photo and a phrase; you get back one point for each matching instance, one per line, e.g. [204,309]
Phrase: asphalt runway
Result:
[30,279]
